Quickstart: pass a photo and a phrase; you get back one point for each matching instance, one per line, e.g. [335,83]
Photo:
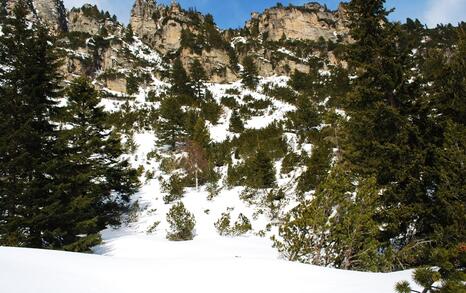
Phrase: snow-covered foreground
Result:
[137,257]
[170,270]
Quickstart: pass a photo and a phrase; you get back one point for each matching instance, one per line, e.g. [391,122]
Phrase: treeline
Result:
[61,177]
[394,197]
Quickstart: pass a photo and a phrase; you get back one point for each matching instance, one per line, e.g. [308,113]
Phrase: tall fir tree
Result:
[95,183]
[260,171]
[236,124]
[201,133]
[30,84]
[171,124]
[379,139]
[179,79]
[249,73]
[198,79]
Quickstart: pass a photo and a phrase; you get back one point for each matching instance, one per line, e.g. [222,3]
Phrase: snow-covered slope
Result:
[36,271]
[137,257]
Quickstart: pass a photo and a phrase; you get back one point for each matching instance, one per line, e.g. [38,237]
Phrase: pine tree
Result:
[337,227]
[182,223]
[306,118]
[198,78]
[236,124]
[402,132]
[30,84]
[249,73]
[132,84]
[129,35]
[179,79]
[171,123]
[201,134]
[380,139]
[260,171]
[89,150]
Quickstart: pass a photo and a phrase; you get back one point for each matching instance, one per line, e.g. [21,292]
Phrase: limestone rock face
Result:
[88,19]
[161,26]
[216,64]
[308,22]
[143,20]
[116,85]
[51,12]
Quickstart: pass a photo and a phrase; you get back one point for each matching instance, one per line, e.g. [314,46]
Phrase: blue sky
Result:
[234,13]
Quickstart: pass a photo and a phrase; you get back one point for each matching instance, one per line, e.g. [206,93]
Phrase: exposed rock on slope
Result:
[88,19]
[281,40]
[51,12]
[161,26]
[308,22]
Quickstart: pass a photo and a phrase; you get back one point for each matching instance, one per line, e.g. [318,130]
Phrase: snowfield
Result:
[137,257]
[41,271]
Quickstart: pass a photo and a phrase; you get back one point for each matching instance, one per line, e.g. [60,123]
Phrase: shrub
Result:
[229,102]
[213,190]
[223,224]
[153,227]
[290,161]
[174,188]
[242,225]
[181,222]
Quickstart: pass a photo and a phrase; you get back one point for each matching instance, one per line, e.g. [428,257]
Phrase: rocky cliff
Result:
[309,22]
[50,12]
[162,26]
[282,40]
[88,19]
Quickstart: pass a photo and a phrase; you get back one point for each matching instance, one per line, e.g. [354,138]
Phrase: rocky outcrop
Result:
[308,22]
[216,64]
[51,12]
[161,26]
[88,19]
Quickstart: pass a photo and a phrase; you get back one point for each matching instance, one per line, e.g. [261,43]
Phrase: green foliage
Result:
[241,226]
[153,227]
[249,73]
[336,228]
[236,124]
[84,244]
[27,137]
[223,224]
[201,134]
[290,161]
[181,222]
[210,109]
[132,84]
[198,78]
[282,93]
[129,35]
[174,189]
[179,79]
[90,150]
[171,125]
[425,277]
[77,39]
[229,102]
[305,120]
[259,171]
[408,156]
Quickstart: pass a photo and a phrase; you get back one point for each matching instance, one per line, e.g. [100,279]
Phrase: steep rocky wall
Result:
[308,22]
[50,12]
